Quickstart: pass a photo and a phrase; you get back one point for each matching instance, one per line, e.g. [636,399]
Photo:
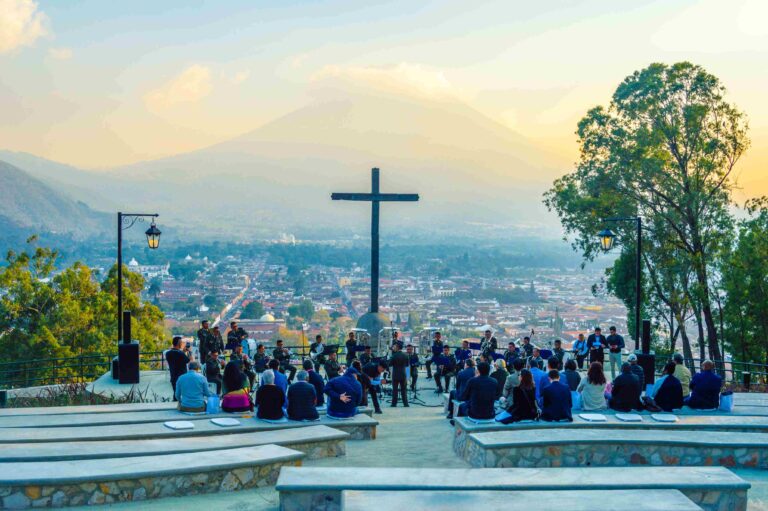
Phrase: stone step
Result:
[100,481]
[83,409]
[600,447]
[714,488]
[121,417]
[314,441]
[360,427]
[585,500]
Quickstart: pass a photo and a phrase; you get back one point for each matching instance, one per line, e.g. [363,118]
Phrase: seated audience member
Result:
[542,379]
[344,395]
[479,395]
[192,389]
[592,389]
[570,375]
[269,398]
[524,405]
[625,395]
[705,388]
[637,370]
[500,375]
[513,380]
[667,392]
[462,379]
[682,373]
[538,376]
[236,397]
[556,399]
[213,367]
[314,379]
[280,379]
[301,399]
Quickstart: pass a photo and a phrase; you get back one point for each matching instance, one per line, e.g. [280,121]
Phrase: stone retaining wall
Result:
[107,492]
[356,432]
[316,450]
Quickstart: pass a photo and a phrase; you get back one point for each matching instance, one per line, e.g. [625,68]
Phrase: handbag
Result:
[726,401]
[212,405]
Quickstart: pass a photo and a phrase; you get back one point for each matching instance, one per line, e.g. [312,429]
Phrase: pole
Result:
[638,283]
[374,241]
[119,276]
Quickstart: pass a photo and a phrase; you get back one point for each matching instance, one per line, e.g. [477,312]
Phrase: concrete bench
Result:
[713,488]
[106,419]
[585,500]
[616,448]
[360,427]
[67,410]
[314,441]
[464,427]
[74,483]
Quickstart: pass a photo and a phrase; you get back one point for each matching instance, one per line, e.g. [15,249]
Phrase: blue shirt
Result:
[462,354]
[541,380]
[281,381]
[192,389]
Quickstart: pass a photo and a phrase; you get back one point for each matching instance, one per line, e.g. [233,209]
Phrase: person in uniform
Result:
[488,345]
[398,363]
[351,346]
[396,339]
[204,340]
[413,362]
[446,368]
[317,352]
[462,355]
[234,336]
[283,356]
[218,340]
[527,347]
[559,353]
[332,366]
[244,363]
[367,357]
[510,354]
[260,359]
[437,352]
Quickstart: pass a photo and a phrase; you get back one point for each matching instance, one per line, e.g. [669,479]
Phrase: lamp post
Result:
[126,221]
[607,239]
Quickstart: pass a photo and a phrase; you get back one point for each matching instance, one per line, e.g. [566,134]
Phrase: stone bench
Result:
[616,448]
[464,427]
[116,418]
[102,481]
[713,488]
[584,500]
[84,409]
[314,441]
[360,427]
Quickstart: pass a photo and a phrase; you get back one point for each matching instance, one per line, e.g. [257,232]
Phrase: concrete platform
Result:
[153,386]
[714,488]
[71,483]
[314,441]
[616,500]
[360,427]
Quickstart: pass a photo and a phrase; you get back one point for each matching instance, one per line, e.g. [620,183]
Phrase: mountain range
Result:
[473,174]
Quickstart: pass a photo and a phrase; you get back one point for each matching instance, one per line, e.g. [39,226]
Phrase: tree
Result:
[304,309]
[665,150]
[254,310]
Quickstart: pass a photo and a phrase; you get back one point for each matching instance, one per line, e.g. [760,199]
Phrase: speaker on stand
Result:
[128,354]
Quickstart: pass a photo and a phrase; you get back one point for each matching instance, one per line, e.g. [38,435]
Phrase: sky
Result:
[100,84]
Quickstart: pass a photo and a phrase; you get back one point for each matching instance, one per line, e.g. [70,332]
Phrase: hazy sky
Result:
[101,83]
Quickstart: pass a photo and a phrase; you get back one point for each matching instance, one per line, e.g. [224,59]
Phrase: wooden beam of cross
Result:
[375,197]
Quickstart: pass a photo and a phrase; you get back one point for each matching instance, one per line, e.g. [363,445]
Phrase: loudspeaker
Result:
[646,334]
[648,362]
[128,362]
[115,368]
[127,337]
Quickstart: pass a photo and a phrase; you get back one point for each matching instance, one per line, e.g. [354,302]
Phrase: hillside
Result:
[28,206]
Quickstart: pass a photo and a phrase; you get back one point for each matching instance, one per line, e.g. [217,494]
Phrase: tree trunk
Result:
[687,353]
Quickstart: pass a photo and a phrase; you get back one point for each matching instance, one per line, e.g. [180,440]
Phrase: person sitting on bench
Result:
[556,399]
[705,388]
[314,379]
[344,395]
[269,398]
[479,395]
[236,397]
[462,379]
[625,394]
[667,392]
[192,389]
[524,407]
[302,400]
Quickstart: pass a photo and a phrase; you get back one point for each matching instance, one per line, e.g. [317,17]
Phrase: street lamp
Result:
[126,221]
[607,239]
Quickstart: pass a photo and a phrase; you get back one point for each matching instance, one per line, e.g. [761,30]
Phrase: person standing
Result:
[437,352]
[581,350]
[596,344]
[283,356]
[488,345]
[177,362]
[396,339]
[218,340]
[317,352]
[205,340]
[233,336]
[374,371]
[366,357]
[615,345]
[398,363]
[351,346]
[413,365]
[332,366]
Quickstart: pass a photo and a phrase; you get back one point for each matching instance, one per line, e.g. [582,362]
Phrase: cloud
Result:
[60,53]
[192,85]
[21,24]
[239,77]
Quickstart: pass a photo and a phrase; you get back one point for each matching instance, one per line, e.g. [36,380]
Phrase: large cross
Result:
[375,197]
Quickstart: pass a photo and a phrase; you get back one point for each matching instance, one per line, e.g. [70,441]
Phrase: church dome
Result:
[267,318]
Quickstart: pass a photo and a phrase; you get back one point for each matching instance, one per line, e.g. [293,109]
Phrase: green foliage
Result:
[254,310]
[304,309]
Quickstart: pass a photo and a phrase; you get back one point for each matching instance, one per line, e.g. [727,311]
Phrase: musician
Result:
[413,363]
[317,352]
[437,351]
[260,359]
[351,345]
[446,368]
[283,356]
[462,355]
[332,366]
[559,353]
[396,339]
[488,345]
[527,347]
[235,336]
[510,355]
[245,363]
[204,341]
[367,357]
[535,359]
[218,340]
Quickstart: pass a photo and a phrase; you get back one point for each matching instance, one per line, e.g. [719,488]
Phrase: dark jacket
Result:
[270,400]
[446,365]
[397,363]
[557,402]
[705,390]
[212,368]
[524,407]
[348,385]
[615,343]
[480,392]
[437,349]
[500,375]
[332,368]
[638,371]
[670,394]
[625,394]
[462,378]
[301,402]
[572,379]
[317,381]
[177,363]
